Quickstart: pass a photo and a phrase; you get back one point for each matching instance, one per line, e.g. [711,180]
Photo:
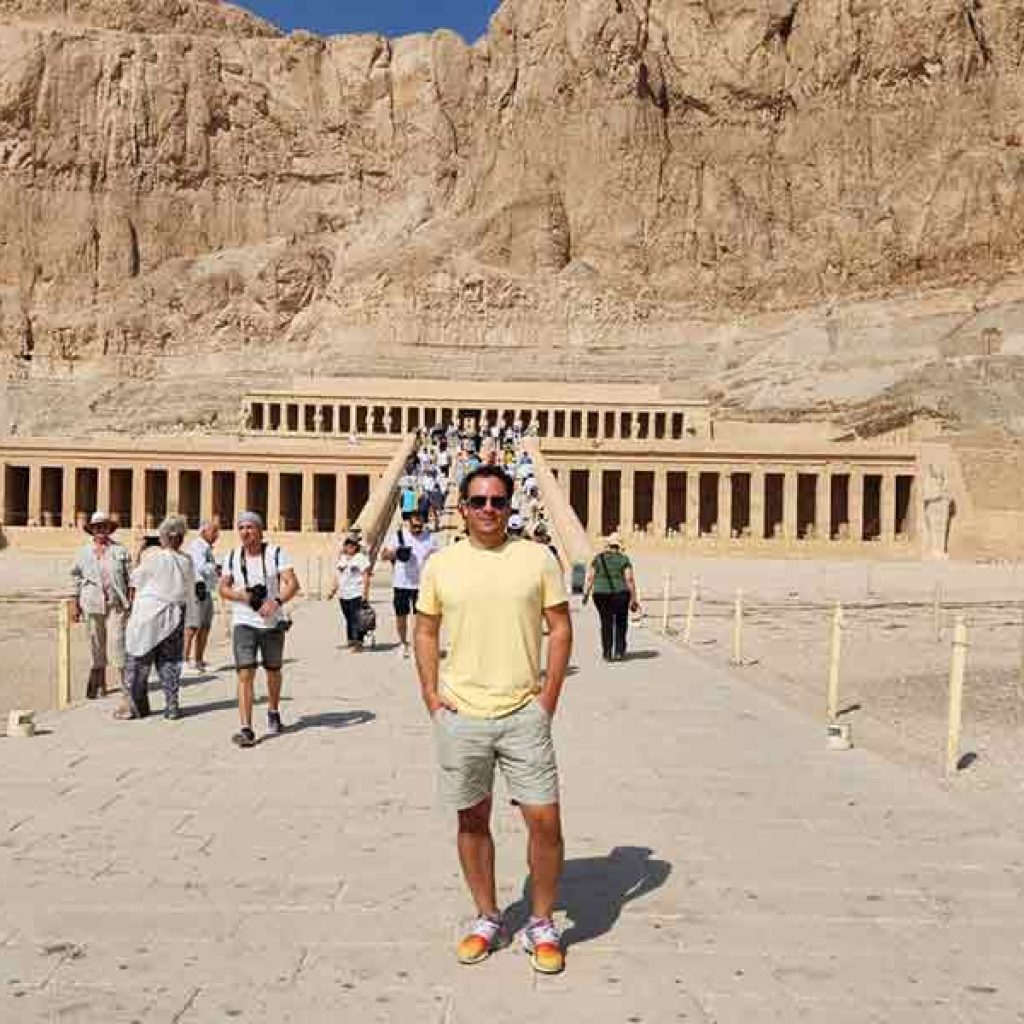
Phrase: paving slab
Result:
[721,864]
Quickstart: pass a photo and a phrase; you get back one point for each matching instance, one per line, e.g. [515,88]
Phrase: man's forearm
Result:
[428,659]
[559,649]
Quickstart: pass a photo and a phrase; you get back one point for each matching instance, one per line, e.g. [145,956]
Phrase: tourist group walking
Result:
[496,591]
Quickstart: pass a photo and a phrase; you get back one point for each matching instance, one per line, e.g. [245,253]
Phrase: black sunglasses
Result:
[479,501]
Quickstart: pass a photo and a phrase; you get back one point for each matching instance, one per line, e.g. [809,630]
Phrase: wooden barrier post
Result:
[64,654]
[666,599]
[937,611]
[835,650]
[691,608]
[1021,666]
[957,665]
[737,630]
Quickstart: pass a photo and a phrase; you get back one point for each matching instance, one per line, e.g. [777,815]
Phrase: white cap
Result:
[515,523]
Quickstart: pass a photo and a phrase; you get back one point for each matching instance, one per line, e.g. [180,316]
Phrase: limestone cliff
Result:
[786,204]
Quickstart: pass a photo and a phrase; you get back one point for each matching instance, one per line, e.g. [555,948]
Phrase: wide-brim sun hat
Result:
[98,519]
[613,540]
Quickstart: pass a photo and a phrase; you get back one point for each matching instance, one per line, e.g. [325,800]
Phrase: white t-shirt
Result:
[349,574]
[276,561]
[407,574]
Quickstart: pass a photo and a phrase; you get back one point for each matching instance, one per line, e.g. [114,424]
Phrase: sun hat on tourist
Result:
[98,519]
[516,524]
[613,540]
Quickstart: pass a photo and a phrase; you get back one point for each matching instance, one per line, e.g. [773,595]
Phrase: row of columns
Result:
[789,499]
[344,418]
[349,487]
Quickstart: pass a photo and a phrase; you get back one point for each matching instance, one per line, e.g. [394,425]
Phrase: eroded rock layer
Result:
[786,204]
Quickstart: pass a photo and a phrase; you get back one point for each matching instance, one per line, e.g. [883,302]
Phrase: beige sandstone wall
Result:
[653,190]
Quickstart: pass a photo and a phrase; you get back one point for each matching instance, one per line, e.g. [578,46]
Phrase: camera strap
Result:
[244,569]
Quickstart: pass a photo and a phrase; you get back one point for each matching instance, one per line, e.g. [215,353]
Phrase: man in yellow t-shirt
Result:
[491,705]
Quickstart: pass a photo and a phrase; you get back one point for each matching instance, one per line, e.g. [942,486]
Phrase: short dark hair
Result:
[484,473]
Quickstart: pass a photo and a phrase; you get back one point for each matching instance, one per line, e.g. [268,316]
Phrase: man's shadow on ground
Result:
[593,891]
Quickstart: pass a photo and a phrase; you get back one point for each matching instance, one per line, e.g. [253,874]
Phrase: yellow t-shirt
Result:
[491,603]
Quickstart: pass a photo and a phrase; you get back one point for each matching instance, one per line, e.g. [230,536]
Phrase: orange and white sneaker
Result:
[483,939]
[543,944]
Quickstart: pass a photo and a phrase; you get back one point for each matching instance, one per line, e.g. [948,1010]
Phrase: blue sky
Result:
[390,17]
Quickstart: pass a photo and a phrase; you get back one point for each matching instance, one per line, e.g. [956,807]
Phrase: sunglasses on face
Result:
[479,501]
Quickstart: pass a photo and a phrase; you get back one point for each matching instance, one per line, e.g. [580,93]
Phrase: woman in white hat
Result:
[102,598]
[610,579]
[165,591]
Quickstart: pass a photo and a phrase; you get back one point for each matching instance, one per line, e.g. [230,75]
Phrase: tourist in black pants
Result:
[610,579]
[352,584]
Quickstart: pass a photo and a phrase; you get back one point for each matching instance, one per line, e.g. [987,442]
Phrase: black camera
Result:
[403,553]
[202,591]
[258,595]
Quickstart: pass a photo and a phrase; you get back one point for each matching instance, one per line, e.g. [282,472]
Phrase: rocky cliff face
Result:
[721,192]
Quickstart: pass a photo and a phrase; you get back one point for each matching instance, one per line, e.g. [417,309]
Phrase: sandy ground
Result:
[894,679]
[894,665]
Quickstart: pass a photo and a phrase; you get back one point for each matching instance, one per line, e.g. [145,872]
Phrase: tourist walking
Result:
[492,706]
[200,617]
[610,579]
[259,579]
[352,574]
[408,550]
[165,595]
[102,599]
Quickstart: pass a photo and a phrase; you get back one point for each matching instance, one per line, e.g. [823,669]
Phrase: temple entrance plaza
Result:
[722,864]
[655,465]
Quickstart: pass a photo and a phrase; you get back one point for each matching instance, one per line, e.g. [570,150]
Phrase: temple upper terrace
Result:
[382,408]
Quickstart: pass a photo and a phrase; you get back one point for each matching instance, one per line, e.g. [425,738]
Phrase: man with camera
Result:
[260,580]
[408,549]
[200,617]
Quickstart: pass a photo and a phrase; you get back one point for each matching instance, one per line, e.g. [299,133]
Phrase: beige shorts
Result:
[520,744]
[104,627]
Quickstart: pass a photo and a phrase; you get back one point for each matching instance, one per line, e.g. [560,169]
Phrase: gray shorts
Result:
[252,645]
[520,744]
[202,616]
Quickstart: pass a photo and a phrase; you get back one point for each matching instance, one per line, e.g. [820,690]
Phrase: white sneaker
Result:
[405,651]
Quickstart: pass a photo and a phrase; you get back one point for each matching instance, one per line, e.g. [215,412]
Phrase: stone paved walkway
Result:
[721,865]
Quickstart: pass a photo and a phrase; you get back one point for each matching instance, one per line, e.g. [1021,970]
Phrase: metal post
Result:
[957,665]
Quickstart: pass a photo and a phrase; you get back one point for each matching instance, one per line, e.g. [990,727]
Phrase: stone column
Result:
[139,497]
[341,503]
[888,506]
[660,503]
[626,499]
[594,501]
[173,490]
[353,420]
[35,494]
[823,506]
[102,491]
[274,500]
[724,505]
[856,506]
[693,504]
[206,496]
[756,503]
[67,499]
[789,489]
[306,521]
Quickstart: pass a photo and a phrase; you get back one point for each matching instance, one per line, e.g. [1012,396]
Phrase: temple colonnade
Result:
[60,485]
[745,499]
